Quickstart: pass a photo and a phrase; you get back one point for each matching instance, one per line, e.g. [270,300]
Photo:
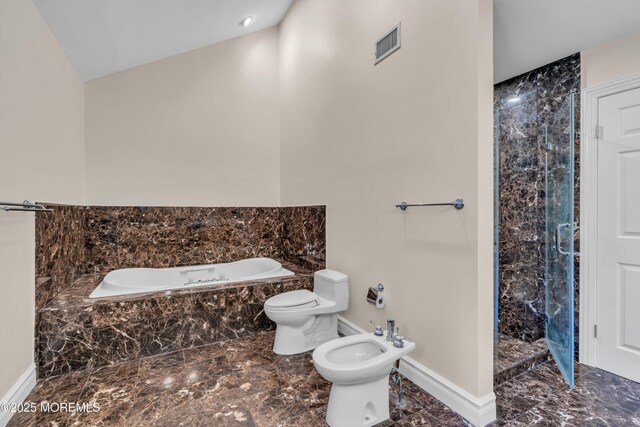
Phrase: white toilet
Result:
[307,319]
[359,368]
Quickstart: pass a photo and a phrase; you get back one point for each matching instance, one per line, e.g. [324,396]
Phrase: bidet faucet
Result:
[391,328]
[398,340]
[378,330]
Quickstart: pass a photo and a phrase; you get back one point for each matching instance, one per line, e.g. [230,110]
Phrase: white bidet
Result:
[359,368]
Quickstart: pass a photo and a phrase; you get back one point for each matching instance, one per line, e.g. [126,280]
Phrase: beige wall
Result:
[417,127]
[610,61]
[205,128]
[199,129]
[41,158]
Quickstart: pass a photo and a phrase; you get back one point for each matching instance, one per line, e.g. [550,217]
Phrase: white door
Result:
[618,237]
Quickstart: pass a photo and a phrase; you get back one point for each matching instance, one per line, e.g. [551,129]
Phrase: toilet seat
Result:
[294,300]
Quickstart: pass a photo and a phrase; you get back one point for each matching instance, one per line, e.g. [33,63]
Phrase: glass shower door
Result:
[559,195]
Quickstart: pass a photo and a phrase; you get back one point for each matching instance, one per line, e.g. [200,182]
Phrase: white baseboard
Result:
[478,411]
[19,392]
[347,328]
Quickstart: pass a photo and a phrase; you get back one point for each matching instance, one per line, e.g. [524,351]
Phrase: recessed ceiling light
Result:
[246,21]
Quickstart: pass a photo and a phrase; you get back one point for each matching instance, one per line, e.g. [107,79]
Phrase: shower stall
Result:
[536,209]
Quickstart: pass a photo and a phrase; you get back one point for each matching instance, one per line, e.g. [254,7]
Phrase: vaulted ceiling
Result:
[105,36]
[530,33]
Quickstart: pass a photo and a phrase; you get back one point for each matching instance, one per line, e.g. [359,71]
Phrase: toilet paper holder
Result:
[375,297]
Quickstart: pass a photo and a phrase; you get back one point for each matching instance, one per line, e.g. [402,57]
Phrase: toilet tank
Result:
[332,286]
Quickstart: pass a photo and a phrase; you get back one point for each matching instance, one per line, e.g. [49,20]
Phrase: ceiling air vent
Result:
[388,43]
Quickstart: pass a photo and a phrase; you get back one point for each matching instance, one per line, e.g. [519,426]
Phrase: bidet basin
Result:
[355,352]
[357,358]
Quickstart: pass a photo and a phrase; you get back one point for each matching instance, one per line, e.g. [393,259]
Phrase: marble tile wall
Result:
[121,237]
[60,250]
[303,236]
[523,106]
[74,240]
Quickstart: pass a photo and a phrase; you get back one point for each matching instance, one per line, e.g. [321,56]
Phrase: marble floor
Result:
[242,383]
[540,397]
[233,383]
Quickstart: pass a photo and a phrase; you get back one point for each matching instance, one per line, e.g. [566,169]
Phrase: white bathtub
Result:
[129,281]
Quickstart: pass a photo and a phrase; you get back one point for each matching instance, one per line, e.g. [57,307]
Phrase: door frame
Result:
[589,209]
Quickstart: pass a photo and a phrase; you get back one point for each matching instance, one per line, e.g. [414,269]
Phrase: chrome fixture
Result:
[397,379]
[398,340]
[559,240]
[391,327]
[374,295]
[190,280]
[25,206]
[209,280]
[457,203]
[310,250]
[378,330]
[191,270]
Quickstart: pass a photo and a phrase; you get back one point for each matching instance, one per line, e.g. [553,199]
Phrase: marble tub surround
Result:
[75,332]
[60,250]
[121,237]
[303,237]
[523,106]
[75,240]
[237,382]
[77,245]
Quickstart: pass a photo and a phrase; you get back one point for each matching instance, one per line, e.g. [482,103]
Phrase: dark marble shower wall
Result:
[523,105]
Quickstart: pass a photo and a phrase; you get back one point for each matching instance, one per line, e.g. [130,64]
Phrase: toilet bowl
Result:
[359,368]
[306,319]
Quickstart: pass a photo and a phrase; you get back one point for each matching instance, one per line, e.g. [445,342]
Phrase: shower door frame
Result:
[589,209]
[559,166]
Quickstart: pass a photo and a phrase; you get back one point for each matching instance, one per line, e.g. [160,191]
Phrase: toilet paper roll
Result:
[380,301]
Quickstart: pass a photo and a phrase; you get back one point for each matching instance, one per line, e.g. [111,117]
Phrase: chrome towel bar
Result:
[25,206]
[457,203]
